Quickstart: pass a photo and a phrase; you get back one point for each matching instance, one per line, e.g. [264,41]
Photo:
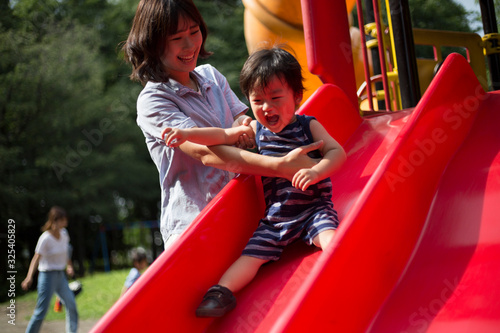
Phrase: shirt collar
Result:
[179,89]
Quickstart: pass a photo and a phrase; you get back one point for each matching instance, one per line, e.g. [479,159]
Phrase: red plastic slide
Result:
[418,245]
[419,249]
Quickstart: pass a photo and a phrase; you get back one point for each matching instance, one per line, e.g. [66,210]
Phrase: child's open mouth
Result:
[272,120]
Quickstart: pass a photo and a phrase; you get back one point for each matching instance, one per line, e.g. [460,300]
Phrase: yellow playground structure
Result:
[280,22]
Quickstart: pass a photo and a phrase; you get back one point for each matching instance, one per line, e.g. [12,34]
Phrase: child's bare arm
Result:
[333,157]
[208,136]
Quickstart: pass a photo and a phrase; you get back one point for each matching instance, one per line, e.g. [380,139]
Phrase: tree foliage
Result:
[67,121]
[439,15]
[226,38]
[475,16]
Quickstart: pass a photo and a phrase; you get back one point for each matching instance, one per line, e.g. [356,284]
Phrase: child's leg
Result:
[324,238]
[219,299]
[241,272]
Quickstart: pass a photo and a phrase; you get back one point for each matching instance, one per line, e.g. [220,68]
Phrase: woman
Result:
[51,258]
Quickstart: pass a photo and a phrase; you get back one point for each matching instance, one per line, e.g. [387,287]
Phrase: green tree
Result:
[439,15]
[476,16]
[226,38]
[67,124]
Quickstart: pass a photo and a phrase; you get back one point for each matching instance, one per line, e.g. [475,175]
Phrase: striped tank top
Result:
[283,201]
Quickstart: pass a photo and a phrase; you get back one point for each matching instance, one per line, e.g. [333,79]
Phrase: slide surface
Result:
[418,251]
[450,283]
[417,248]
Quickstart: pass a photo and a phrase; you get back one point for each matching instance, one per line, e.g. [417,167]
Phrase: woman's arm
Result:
[333,158]
[155,112]
[69,269]
[241,161]
[241,119]
[26,284]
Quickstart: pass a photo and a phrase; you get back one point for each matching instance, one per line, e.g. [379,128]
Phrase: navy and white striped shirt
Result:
[283,201]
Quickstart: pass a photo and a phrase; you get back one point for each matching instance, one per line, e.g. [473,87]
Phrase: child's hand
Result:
[305,177]
[173,137]
[246,139]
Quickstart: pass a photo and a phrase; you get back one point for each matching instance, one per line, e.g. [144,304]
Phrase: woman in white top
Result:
[52,259]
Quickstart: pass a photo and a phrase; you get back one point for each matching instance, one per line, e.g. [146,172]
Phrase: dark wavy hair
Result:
[262,65]
[154,21]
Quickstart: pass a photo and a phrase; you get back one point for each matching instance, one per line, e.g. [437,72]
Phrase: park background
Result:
[68,134]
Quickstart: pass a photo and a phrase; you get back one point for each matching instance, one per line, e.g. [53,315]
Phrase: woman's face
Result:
[182,49]
[61,223]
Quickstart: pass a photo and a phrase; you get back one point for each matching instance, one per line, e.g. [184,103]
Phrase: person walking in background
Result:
[51,259]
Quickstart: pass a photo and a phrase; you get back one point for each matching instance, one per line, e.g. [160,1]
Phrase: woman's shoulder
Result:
[209,72]
[44,239]
[64,232]
[154,88]
[43,236]
[206,69]
[153,94]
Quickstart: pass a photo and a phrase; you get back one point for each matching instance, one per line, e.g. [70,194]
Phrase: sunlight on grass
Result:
[99,292]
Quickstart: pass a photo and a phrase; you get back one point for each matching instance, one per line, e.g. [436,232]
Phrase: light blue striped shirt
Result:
[186,184]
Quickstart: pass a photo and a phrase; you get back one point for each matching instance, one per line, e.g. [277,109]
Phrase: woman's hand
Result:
[70,271]
[26,284]
[298,159]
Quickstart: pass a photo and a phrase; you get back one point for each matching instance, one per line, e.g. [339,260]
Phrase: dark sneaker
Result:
[217,302]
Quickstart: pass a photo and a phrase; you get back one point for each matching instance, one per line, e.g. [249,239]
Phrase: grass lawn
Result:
[99,292]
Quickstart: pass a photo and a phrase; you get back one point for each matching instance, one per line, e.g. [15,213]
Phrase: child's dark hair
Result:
[154,21]
[263,64]
[138,254]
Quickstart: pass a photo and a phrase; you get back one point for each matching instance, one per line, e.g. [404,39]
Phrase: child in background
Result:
[271,79]
[140,263]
